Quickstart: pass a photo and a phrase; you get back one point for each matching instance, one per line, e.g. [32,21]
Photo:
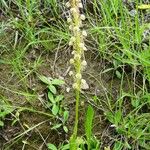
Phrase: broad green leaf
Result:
[51,146]
[52,89]
[1,123]
[55,109]
[88,124]
[45,80]
[59,98]
[51,97]
[58,82]
[66,115]
[118,116]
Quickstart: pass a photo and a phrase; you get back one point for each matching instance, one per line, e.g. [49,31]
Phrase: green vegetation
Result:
[45,103]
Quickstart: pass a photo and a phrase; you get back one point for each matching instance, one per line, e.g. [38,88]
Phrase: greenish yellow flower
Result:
[75,86]
[77,56]
[71,61]
[78,76]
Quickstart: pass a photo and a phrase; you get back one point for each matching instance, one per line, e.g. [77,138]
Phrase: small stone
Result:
[68,89]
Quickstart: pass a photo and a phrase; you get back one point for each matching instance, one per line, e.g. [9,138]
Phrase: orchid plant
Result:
[78,61]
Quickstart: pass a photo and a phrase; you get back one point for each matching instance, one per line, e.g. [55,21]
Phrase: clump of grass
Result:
[78,61]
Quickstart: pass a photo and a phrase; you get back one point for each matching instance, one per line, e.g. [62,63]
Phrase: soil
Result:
[57,68]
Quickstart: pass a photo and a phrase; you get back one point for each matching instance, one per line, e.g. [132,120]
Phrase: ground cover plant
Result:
[75,75]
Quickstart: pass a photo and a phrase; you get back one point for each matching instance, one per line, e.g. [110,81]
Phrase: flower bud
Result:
[84,63]
[70,27]
[84,48]
[69,20]
[73,52]
[84,84]
[70,43]
[75,86]
[68,89]
[72,39]
[82,17]
[81,45]
[83,81]
[80,5]
[70,73]
[84,33]
[73,10]
[76,29]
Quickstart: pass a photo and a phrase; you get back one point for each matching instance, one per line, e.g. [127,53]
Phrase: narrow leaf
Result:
[55,109]
[88,124]
[58,82]
[144,6]
[51,97]
[51,146]
[66,115]
[45,80]
[56,126]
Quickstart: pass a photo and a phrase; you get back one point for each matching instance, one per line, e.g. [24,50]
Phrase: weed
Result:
[54,102]
[4,111]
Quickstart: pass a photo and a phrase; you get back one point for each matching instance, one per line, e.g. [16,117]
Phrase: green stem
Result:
[77,113]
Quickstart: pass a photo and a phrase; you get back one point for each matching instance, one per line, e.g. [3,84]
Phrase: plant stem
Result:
[76,113]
